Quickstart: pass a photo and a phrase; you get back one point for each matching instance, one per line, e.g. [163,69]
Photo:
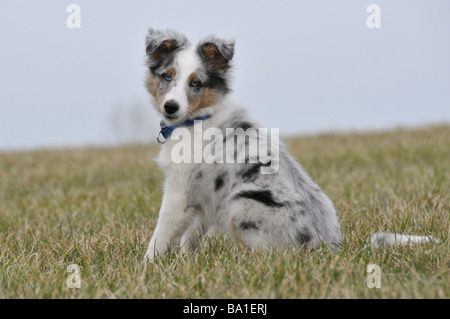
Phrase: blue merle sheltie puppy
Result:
[190,86]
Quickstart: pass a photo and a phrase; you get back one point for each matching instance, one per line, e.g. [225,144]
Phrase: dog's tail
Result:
[383,239]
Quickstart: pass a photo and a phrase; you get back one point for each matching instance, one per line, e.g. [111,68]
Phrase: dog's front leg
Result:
[173,220]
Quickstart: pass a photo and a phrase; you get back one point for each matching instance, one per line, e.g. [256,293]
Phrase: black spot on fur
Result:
[302,207]
[243,125]
[236,123]
[217,82]
[248,225]
[251,171]
[263,196]
[220,181]
[303,236]
[199,174]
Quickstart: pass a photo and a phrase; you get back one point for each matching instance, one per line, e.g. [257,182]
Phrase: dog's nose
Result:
[171,107]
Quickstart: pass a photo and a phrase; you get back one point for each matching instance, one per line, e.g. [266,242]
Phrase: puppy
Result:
[261,199]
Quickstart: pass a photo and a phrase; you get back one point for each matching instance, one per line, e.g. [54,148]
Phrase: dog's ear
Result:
[160,44]
[217,53]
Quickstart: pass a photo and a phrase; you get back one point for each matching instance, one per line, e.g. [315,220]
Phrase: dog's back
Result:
[279,208]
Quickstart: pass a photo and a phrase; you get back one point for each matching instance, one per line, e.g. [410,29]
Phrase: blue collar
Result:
[166,131]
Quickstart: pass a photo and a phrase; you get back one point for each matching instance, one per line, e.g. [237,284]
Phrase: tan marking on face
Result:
[156,91]
[193,77]
[209,98]
[160,91]
[152,86]
[171,72]
[160,100]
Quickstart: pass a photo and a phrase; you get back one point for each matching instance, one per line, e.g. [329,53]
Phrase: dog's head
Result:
[186,80]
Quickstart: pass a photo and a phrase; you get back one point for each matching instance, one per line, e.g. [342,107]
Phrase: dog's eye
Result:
[167,77]
[195,84]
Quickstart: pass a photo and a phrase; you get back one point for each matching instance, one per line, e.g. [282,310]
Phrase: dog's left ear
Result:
[217,53]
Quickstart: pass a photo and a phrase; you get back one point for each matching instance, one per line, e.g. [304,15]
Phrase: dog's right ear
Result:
[160,44]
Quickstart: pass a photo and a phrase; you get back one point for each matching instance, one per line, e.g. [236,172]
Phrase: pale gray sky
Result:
[301,66]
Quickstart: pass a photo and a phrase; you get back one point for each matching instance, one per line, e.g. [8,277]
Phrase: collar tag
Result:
[158,137]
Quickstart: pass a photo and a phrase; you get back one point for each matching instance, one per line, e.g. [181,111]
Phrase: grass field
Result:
[97,208]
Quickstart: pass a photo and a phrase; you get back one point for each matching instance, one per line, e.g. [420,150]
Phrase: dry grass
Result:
[97,208]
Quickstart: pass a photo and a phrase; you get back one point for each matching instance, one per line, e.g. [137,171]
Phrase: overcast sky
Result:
[301,66]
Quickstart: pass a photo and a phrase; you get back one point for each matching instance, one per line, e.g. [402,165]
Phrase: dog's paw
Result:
[148,258]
